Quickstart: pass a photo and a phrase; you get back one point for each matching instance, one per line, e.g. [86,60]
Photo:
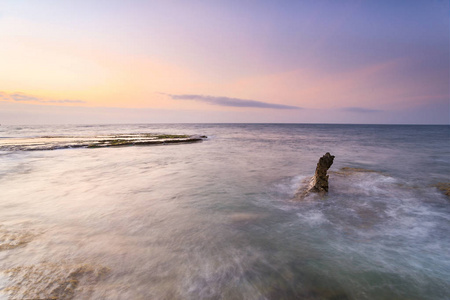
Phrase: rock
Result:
[319,182]
[101,141]
[444,187]
[53,281]
[14,238]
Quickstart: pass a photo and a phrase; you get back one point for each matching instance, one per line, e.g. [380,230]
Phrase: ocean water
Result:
[217,219]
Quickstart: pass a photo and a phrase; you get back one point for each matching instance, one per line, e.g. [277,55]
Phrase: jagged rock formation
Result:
[319,183]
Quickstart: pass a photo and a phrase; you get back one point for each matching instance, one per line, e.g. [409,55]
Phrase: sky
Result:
[136,61]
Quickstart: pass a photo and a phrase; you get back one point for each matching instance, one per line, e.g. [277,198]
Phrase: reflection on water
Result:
[215,220]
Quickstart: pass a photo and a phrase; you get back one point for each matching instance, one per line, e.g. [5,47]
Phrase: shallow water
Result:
[215,219]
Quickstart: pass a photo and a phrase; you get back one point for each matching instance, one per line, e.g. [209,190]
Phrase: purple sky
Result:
[224,61]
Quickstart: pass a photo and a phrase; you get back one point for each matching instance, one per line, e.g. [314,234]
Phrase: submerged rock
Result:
[444,187]
[319,183]
[13,238]
[245,218]
[52,281]
[346,171]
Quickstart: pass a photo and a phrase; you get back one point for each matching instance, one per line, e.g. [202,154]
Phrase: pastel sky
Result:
[136,61]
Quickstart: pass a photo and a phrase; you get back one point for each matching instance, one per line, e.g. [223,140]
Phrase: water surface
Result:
[216,220]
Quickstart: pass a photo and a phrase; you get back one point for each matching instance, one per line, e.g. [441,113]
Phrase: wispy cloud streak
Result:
[21,97]
[230,102]
[360,110]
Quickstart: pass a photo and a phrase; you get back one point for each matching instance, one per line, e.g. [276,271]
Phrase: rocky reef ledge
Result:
[101,141]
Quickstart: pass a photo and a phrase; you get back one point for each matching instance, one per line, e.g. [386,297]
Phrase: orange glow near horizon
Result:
[123,58]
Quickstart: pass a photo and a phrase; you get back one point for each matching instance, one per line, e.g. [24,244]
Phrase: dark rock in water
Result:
[320,180]
[319,183]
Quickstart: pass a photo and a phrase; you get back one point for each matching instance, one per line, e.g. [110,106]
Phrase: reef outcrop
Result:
[102,141]
[319,182]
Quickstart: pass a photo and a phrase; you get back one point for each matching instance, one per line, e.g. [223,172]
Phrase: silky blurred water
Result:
[216,220]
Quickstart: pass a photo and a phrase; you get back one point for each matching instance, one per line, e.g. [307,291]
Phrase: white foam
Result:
[313,217]
[3,284]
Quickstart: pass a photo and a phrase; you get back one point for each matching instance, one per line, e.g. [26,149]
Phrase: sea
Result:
[219,219]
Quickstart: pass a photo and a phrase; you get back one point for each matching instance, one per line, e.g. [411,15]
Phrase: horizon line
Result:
[219,123]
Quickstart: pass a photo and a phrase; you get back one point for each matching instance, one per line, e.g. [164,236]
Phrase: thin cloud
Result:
[21,97]
[3,96]
[65,101]
[361,110]
[230,102]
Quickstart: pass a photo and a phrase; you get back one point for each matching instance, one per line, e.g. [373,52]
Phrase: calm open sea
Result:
[216,220]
